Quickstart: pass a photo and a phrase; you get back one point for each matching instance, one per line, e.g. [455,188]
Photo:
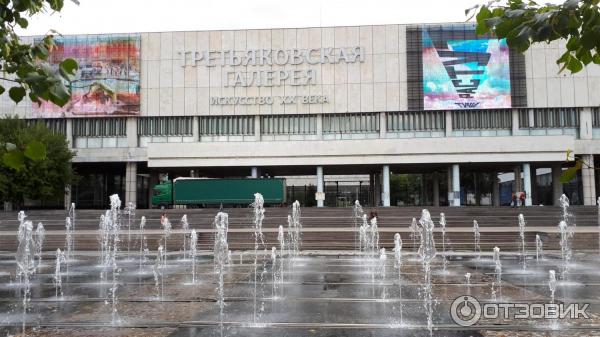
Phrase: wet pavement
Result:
[322,294]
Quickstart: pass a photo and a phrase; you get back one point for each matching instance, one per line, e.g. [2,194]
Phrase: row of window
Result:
[549,118]
[403,121]
[100,127]
[481,120]
[165,126]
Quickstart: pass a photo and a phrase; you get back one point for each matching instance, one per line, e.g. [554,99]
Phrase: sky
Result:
[124,16]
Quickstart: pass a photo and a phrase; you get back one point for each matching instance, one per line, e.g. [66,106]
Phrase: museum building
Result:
[390,115]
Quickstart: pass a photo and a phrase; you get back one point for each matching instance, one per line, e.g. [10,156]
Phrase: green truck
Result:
[200,192]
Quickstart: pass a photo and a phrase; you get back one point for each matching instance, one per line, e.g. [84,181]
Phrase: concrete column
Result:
[448,123]
[517,183]
[436,189]
[588,180]
[320,184]
[585,123]
[130,183]
[132,134]
[456,184]
[527,183]
[320,126]
[495,190]
[257,131]
[69,133]
[385,194]
[557,188]
[515,122]
[254,172]
[382,125]
[531,118]
[196,128]
[449,184]
[372,189]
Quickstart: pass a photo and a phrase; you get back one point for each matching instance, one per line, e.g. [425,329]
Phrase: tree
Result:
[46,161]
[24,65]
[523,23]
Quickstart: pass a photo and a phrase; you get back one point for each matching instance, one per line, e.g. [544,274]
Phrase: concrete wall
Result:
[377,84]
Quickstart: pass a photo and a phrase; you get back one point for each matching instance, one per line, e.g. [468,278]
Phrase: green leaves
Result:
[14,160]
[523,23]
[35,151]
[16,94]
[570,173]
[68,68]
[35,162]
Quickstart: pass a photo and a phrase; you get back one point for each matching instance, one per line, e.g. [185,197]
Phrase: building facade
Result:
[389,114]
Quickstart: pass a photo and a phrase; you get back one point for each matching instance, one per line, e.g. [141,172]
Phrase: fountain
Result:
[414,232]
[281,240]
[103,238]
[275,272]
[382,271]
[522,238]
[166,224]
[468,282]
[185,226]
[427,252]
[552,284]
[57,279]
[158,272]
[497,283]
[357,220]
[259,216]
[295,230]
[68,242]
[476,237]
[143,244]
[443,227]
[129,211]
[369,237]
[282,246]
[398,266]
[193,252]
[114,228]
[40,234]
[25,261]
[539,248]
[221,249]
[73,216]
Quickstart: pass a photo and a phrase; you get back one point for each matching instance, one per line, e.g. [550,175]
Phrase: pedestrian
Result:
[514,200]
[522,198]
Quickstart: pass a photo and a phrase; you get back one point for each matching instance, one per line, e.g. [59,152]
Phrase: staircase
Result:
[324,228]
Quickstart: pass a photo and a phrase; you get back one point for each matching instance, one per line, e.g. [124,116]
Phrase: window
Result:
[481,119]
[165,126]
[351,123]
[416,121]
[288,124]
[100,127]
[596,117]
[226,125]
[550,118]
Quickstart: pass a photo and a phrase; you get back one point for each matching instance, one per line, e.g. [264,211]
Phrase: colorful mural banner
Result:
[465,74]
[113,60]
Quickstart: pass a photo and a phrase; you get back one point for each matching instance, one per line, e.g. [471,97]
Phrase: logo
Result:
[465,310]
